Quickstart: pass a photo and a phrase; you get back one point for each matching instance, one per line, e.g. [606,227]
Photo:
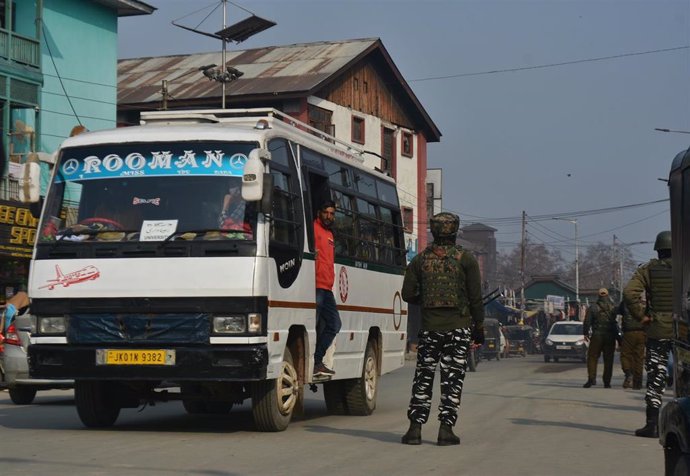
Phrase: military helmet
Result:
[444,225]
[663,241]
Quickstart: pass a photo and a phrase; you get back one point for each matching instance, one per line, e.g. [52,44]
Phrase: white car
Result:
[14,364]
[565,340]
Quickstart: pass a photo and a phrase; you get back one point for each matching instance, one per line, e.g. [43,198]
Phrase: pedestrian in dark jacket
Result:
[601,330]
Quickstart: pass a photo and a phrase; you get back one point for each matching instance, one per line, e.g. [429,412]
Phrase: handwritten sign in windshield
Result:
[157,230]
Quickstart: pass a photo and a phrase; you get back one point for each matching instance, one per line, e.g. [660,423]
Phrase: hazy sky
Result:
[546,140]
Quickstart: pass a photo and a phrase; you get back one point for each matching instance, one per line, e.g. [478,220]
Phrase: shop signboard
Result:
[17,229]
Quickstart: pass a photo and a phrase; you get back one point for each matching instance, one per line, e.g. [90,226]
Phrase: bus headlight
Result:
[229,324]
[52,325]
[254,323]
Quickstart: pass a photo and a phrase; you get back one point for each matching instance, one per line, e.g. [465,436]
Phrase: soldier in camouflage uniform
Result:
[654,279]
[445,281]
[601,321]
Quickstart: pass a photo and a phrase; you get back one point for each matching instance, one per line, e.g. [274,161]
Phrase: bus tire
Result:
[22,394]
[334,395]
[360,393]
[273,401]
[95,408]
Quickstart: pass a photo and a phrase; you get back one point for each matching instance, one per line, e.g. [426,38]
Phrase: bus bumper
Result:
[218,363]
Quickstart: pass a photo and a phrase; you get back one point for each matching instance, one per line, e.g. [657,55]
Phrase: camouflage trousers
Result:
[449,349]
[656,363]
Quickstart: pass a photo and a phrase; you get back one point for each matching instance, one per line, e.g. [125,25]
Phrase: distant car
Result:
[565,341]
[14,364]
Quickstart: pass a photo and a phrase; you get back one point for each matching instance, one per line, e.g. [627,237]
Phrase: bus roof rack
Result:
[219,116]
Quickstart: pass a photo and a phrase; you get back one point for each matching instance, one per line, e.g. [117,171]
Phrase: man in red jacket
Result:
[327,317]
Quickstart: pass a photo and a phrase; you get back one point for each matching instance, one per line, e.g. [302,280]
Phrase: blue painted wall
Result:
[79,61]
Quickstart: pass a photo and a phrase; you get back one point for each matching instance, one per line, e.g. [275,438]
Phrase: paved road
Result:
[520,416]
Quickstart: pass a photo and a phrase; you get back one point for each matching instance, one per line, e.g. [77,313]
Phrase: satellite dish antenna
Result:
[237,32]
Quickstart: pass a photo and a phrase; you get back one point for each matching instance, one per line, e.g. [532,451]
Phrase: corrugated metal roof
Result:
[269,70]
[290,71]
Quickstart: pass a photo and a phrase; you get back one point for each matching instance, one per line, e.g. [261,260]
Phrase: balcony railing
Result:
[20,49]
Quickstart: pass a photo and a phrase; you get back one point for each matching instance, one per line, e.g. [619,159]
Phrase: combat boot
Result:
[628,381]
[413,435]
[651,429]
[446,437]
[589,383]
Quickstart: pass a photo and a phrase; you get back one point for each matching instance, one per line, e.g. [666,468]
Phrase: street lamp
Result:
[577,261]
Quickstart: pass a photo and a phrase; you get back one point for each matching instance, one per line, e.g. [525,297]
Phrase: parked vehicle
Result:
[674,421]
[565,341]
[520,339]
[15,365]
[492,347]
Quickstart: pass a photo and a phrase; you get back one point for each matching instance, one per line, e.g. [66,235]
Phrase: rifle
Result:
[492,296]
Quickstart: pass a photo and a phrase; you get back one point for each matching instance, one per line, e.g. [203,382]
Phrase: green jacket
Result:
[601,319]
[661,326]
[469,314]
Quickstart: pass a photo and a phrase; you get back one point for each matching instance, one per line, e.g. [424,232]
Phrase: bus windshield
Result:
[149,192]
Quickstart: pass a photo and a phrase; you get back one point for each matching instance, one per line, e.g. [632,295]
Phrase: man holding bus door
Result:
[327,317]
[445,281]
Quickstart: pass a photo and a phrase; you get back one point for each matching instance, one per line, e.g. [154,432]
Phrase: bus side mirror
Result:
[253,175]
[29,191]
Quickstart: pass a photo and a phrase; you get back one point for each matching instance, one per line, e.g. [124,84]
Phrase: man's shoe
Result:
[413,435]
[628,381]
[446,437]
[589,383]
[607,385]
[637,384]
[321,369]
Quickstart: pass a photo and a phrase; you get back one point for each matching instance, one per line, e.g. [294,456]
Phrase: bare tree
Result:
[539,260]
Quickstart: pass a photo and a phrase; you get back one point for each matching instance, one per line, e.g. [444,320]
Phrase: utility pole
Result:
[522,267]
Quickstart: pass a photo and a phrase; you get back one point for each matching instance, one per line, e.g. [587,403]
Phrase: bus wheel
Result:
[334,394]
[274,400]
[95,408]
[361,392]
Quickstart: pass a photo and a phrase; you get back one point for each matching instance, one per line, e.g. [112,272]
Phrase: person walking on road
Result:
[445,281]
[632,349]
[654,279]
[327,317]
[600,320]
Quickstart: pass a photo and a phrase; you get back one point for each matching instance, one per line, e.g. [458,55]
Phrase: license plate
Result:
[135,357]
[563,347]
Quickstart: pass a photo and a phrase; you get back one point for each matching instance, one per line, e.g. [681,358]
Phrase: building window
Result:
[408,219]
[321,119]
[357,130]
[388,151]
[407,144]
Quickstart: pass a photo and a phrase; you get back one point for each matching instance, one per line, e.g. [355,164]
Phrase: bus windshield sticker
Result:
[157,230]
[151,164]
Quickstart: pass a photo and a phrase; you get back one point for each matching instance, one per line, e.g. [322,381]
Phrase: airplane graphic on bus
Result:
[87,273]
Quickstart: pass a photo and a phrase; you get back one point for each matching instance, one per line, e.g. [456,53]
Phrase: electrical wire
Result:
[50,53]
[549,65]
